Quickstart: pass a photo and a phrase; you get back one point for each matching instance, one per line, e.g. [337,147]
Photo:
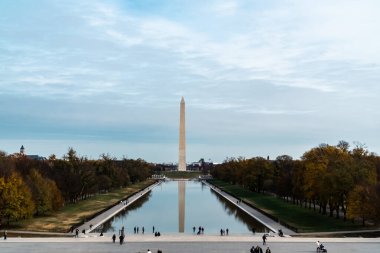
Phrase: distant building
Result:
[32,157]
[36,157]
[22,150]
[201,165]
[165,167]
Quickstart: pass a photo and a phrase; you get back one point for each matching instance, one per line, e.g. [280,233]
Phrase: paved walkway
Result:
[268,222]
[92,238]
[92,224]
[185,244]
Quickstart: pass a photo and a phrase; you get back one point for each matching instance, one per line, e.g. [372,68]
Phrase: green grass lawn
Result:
[304,219]
[73,214]
[182,174]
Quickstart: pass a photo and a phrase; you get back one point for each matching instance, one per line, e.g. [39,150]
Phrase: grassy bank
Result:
[304,219]
[73,214]
[181,174]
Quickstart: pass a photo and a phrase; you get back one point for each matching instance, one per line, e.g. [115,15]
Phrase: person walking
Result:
[5,234]
[264,239]
[114,238]
[259,249]
[227,231]
[268,250]
[143,230]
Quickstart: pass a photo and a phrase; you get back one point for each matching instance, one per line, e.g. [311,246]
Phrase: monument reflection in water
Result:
[181,206]
[178,206]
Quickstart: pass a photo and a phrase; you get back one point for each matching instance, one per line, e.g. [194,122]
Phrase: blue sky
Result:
[259,77]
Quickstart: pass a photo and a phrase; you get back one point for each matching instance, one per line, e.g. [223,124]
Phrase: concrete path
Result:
[92,238]
[100,219]
[186,244]
[268,222]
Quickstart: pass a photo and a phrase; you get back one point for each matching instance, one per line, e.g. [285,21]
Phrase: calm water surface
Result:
[178,206]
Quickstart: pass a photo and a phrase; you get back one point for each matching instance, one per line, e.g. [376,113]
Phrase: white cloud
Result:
[225,8]
[42,80]
[270,59]
[276,112]
[124,39]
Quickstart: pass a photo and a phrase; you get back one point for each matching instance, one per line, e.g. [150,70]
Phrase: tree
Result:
[46,194]
[15,198]
[360,204]
[283,171]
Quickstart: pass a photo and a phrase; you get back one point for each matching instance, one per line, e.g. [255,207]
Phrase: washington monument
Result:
[182,138]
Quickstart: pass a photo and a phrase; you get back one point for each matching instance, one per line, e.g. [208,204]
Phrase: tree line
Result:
[333,180]
[33,187]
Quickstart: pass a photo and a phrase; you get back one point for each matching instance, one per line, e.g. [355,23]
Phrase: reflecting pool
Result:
[177,207]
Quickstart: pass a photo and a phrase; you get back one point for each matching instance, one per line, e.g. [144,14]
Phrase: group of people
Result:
[224,232]
[258,249]
[121,238]
[158,251]
[124,203]
[201,230]
[137,229]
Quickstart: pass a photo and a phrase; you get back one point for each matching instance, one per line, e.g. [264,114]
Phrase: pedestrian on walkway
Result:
[264,239]
[77,232]
[5,234]
[149,251]
[121,238]
[114,238]
[227,231]
[268,250]
[143,229]
[153,229]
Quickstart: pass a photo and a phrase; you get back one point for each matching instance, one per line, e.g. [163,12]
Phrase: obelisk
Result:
[182,138]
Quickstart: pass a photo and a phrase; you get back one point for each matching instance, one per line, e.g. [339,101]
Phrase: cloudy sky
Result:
[259,77]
